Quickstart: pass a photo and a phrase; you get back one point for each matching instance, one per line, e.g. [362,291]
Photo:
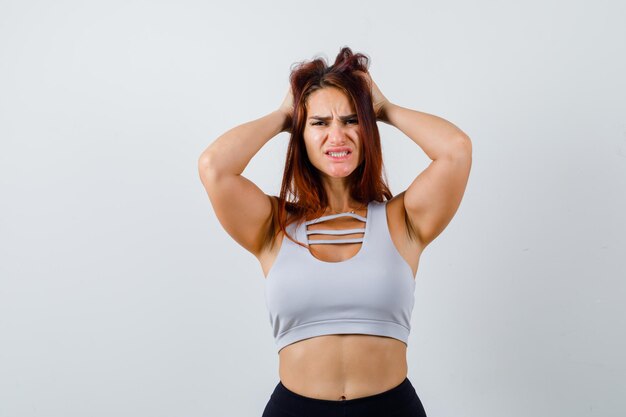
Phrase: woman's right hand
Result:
[379,101]
[286,108]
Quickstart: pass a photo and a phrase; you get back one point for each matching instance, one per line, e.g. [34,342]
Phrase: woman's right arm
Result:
[243,209]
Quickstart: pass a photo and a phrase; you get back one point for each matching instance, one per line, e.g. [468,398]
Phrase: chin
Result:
[345,175]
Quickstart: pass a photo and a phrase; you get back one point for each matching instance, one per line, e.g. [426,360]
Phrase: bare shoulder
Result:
[396,213]
[395,206]
[400,227]
[273,242]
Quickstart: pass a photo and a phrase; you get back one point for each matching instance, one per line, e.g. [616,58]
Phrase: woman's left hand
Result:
[379,101]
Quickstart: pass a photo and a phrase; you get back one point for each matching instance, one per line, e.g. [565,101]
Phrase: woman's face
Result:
[332,126]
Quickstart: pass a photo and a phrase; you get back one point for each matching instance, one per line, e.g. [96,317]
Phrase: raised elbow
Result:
[463,145]
[204,161]
[207,168]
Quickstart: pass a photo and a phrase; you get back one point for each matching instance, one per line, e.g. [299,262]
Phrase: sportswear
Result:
[399,401]
[370,293]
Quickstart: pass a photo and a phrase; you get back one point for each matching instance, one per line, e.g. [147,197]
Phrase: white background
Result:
[120,293]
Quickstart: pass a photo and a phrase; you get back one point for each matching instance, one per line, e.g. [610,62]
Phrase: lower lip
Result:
[339,158]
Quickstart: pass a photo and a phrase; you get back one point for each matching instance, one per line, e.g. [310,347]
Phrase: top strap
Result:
[334,216]
[335,232]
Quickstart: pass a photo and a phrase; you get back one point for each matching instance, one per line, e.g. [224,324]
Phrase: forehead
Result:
[328,98]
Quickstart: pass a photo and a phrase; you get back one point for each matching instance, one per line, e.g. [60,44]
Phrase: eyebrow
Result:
[324,118]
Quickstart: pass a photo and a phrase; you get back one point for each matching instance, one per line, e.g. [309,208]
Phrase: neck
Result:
[343,205]
[338,195]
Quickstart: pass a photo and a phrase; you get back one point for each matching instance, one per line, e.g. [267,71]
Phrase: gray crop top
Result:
[371,293]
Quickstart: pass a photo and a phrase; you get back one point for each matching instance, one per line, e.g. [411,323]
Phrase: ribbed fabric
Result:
[371,293]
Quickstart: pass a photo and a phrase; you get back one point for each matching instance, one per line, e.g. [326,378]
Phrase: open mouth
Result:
[339,156]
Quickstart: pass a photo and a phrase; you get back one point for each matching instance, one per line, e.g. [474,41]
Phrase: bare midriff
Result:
[343,366]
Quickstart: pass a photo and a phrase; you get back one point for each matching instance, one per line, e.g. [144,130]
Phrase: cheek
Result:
[312,143]
[310,148]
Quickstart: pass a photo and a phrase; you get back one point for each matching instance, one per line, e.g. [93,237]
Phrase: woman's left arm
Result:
[434,196]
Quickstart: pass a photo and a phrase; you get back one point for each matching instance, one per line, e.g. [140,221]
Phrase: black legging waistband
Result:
[395,399]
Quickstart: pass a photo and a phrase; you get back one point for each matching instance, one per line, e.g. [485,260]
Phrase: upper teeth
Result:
[344,153]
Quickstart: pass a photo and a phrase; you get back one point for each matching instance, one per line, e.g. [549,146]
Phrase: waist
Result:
[343,366]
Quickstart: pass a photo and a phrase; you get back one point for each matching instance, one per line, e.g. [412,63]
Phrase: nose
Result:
[336,134]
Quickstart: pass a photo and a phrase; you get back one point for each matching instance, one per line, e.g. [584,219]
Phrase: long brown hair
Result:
[302,194]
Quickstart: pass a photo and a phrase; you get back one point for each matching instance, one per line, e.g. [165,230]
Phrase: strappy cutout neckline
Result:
[363,240]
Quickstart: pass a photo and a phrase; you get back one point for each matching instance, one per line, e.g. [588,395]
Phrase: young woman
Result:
[338,250]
